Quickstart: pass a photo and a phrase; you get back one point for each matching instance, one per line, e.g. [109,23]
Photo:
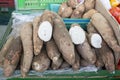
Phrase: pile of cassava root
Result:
[75,9]
[46,43]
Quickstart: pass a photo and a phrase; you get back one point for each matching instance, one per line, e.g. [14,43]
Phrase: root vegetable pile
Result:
[46,43]
[75,9]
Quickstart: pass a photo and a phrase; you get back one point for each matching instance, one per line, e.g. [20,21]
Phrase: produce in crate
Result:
[63,40]
[54,54]
[86,52]
[62,8]
[105,30]
[89,4]
[37,42]
[104,53]
[77,34]
[4,50]
[62,37]
[26,35]
[73,3]
[41,62]
[76,65]
[67,12]
[84,63]
[65,65]
[57,65]
[94,38]
[78,12]
[12,57]
[90,28]
[99,63]
[89,13]
[107,56]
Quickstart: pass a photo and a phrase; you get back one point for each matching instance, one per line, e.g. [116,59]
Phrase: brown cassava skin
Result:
[76,65]
[4,50]
[47,17]
[89,4]
[117,58]
[62,8]
[72,3]
[57,65]
[105,30]
[104,54]
[107,56]
[86,52]
[89,13]
[67,12]
[12,57]
[65,65]
[78,12]
[84,63]
[41,62]
[91,28]
[37,42]
[54,54]
[63,40]
[99,63]
[26,37]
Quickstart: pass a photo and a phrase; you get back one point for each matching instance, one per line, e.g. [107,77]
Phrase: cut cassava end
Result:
[77,34]
[45,31]
[95,40]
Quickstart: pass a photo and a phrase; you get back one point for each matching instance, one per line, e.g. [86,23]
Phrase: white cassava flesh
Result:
[96,40]
[45,31]
[77,34]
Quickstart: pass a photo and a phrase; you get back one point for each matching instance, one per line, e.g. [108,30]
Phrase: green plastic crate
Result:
[34,4]
[100,75]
